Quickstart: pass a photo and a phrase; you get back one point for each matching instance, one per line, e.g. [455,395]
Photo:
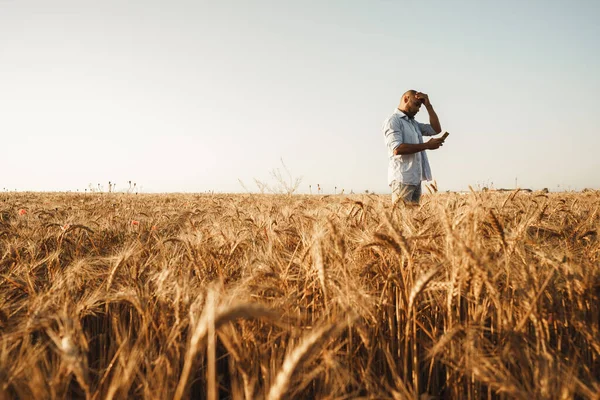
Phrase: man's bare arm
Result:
[408,148]
[434,121]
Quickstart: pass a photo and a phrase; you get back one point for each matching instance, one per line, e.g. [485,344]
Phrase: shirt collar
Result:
[402,115]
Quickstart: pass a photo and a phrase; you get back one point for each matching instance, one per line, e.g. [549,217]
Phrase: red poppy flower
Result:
[134,222]
[22,211]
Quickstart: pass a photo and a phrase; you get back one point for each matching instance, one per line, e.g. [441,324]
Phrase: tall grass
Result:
[489,295]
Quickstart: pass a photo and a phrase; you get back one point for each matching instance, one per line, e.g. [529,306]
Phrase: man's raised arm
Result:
[433,118]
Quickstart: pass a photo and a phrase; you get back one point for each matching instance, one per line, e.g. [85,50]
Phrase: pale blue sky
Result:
[194,95]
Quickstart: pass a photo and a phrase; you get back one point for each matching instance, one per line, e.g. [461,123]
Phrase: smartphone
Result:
[444,136]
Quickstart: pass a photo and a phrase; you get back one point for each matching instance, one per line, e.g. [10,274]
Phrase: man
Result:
[408,164]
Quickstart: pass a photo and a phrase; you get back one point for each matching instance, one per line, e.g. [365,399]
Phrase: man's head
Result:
[409,103]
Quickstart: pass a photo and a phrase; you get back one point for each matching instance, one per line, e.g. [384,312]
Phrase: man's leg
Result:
[395,192]
[405,192]
[416,197]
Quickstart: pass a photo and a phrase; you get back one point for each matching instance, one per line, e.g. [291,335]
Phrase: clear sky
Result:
[196,95]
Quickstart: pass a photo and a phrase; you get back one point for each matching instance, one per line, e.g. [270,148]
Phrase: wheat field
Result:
[479,296]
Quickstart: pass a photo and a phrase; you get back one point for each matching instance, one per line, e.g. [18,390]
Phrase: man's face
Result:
[413,104]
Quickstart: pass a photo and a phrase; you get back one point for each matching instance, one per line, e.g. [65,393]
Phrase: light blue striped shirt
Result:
[409,169]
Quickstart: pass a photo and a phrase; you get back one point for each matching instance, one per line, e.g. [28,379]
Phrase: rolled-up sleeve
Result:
[394,134]
[426,130]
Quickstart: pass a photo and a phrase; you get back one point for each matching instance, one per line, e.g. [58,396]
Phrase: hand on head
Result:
[423,98]
[411,102]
